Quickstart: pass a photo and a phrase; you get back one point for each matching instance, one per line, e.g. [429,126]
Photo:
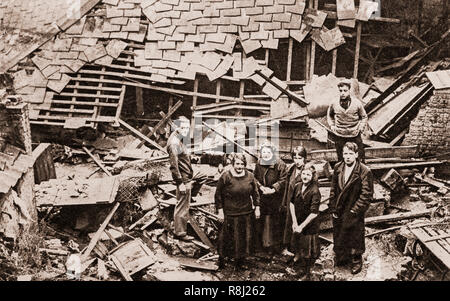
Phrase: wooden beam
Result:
[396,217]
[200,232]
[218,88]
[357,49]
[141,136]
[120,105]
[231,141]
[405,152]
[334,62]
[99,233]
[289,60]
[139,102]
[289,94]
[98,162]
[405,76]
[161,122]
[308,61]
[194,105]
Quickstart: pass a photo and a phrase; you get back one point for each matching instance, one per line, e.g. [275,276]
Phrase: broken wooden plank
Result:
[289,94]
[381,166]
[162,121]
[383,231]
[141,136]
[405,152]
[200,232]
[99,233]
[405,76]
[121,269]
[396,217]
[231,141]
[193,263]
[431,181]
[100,164]
[54,252]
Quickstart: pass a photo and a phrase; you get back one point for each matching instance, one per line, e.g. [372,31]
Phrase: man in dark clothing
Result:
[350,195]
[347,119]
[182,174]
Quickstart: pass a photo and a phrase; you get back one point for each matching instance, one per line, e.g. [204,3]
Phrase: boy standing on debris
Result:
[347,119]
[350,195]
[182,174]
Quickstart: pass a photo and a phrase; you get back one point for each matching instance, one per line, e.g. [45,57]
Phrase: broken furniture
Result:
[434,242]
[131,257]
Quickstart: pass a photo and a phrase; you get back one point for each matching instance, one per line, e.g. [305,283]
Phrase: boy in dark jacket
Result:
[350,195]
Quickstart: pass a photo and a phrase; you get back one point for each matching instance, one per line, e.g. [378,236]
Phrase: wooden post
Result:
[358,44]
[100,164]
[139,102]
[289,60]
[308,61]
[314,5]
[241,96]
[419,16]
[194,104]
[333,64]
[218,88]
[141,136]
[170,98]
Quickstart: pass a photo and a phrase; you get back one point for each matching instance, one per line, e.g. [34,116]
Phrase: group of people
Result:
[275,208]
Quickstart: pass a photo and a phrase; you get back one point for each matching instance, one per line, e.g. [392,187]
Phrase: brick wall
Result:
[430,129]
[15,127]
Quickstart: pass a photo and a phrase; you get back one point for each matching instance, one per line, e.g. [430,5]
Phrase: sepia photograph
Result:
[207,142]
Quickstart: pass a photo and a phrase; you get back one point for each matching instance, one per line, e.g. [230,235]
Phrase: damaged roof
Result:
[170,41]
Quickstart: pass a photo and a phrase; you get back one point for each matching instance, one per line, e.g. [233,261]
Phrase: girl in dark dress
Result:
[304,210]
[293,177]
[237,202]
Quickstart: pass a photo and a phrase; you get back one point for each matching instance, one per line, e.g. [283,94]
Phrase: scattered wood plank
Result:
[383,231]
[193,263]
[231,141]
[431,181]
[396,217]
[381,166]
[200,232]
[99,232]
[405,152]
[54,252]
[141,136]
[162,121]
[100,164]
[411,69]
[289,94]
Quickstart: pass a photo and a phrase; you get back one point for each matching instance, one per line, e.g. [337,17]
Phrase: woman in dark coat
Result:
[237,203]
[270,172]
[293,176]
[304,209]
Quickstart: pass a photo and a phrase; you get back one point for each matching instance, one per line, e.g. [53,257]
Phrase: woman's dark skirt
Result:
[236,236]
[306,246]
[271,229]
